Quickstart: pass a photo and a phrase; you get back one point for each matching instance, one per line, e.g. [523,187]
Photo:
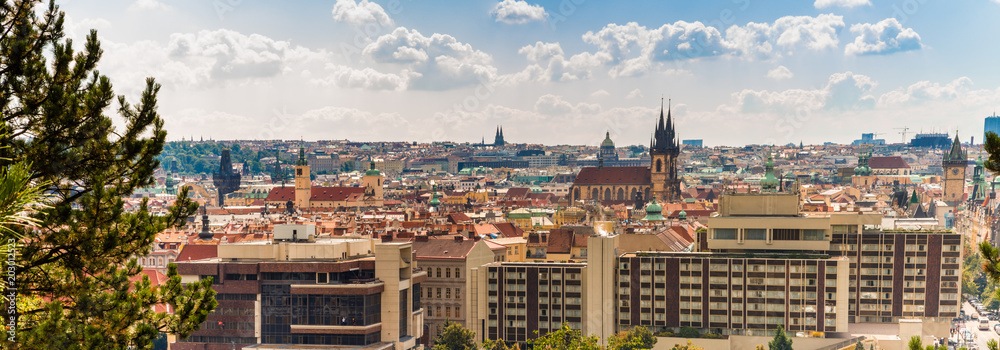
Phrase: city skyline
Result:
[780,73]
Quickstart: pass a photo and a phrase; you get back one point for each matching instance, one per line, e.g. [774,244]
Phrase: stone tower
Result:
[954,163]
[374,193]
[226,180]
[663,153]
[303,185]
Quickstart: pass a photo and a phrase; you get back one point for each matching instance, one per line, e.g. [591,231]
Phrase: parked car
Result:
[996,328]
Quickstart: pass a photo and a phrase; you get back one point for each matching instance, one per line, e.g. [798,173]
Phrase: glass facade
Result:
[281,309]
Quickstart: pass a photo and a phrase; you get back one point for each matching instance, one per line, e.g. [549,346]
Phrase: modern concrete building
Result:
[349,292]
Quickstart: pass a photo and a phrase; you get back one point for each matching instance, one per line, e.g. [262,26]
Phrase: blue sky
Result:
[554,72]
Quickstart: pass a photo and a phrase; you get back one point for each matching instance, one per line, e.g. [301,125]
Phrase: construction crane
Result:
[903,132]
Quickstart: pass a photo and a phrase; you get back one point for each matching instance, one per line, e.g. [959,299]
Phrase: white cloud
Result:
[841,3]
[366,78]
[553,105]
[780,73]
[843,91]
[439,61]
[360,13]
[885,37]
[148,5]
[785,35]
[923,91]
[600,93]
[634,94]
[548,63]
[518,12]
[634,49]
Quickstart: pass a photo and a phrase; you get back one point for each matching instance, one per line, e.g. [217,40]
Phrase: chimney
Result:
[459,238]
[473,235]
[387,238]
[421,238]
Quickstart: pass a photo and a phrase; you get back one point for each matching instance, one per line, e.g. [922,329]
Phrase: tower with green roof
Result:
[654,212]
[769,183]
[372,181]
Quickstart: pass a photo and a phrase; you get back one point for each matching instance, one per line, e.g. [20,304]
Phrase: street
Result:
[981,337]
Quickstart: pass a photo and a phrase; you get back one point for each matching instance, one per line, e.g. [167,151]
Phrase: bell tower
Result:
[663,152]
[954,163]
[374,193]
[303,185]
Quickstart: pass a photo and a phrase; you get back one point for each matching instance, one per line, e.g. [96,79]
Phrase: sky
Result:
[735,72]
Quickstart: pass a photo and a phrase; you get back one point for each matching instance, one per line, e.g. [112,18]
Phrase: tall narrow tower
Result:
[303,186]
[226,180]
[954,163]
[663,160]
[374,194]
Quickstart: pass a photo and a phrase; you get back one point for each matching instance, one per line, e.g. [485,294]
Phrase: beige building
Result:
[448,292]
[333,291]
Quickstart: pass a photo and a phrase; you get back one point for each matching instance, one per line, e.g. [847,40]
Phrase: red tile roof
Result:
[318,193]
[887,163]
[517,193]
[192,252]
[445,247]
[614,175]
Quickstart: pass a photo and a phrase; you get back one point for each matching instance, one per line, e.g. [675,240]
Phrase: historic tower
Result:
[954,163]
[663,154]
[374,195]
[303,186]
[226,180]
[498,139]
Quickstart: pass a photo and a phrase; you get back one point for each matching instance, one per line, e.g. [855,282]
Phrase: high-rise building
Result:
[992,123]
[300,291]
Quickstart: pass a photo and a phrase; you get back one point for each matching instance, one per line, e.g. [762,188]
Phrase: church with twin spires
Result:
[658,181]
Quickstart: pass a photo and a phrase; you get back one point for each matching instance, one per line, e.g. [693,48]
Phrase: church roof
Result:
[318,193]
[613,175]
[607,141]
[955,154]
[894,162]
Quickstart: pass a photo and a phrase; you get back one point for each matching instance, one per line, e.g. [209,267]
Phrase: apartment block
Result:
[334,292]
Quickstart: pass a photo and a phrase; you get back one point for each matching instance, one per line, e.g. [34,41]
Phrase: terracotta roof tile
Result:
[613,175]
[887,163]
[192,252]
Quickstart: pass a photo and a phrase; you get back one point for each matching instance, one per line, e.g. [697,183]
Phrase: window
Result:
[725,233]
[755,234]
[439,293]
[458,293]
[439,272]
[447,293]
[814,235]
[447,272]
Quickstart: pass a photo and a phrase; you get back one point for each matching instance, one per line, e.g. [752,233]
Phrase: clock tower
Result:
[954,163]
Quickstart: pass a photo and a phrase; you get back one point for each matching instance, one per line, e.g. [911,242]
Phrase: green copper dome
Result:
[372,170]
[769,183]
[607,141]
[654,212]
[434,197]
[683,215]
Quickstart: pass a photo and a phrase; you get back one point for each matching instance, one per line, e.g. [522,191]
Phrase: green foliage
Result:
[75,267]
[454,337]
[186,157]
[638,337]
[915,343]
[992,344]
[687,346]
[689,332]
[781,341]
[565,339]
[499,344]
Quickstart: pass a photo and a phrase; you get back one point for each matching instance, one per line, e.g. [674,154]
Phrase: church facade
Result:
[659,180]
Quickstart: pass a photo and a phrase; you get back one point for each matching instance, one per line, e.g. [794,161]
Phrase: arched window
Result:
[646,194]
[576,194]
[594,195]
[621,194]
[634,193]
[659,165]
[607,194]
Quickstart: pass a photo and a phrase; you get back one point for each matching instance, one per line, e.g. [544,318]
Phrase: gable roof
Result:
[894,162]
[517,193]
[614,175]
[443,248]
[192,252]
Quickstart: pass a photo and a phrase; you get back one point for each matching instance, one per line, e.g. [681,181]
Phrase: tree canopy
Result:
[565,339]
[454,337]
[637,338]
[75,267]
[781,340]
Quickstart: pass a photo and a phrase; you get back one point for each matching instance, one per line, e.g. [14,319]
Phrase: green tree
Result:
[75,263]
[498,344]
[992,344]
[689,332]
[638,337]
[687,346]
[454,337]
[781,341]
[565,339]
